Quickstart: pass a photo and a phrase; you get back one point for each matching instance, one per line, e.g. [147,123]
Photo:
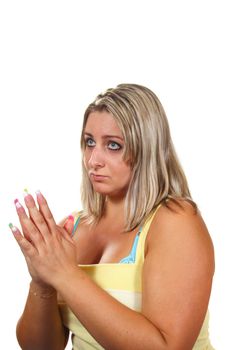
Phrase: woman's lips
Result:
[97,177]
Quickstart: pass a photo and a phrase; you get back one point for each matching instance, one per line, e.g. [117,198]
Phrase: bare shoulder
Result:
[180,226]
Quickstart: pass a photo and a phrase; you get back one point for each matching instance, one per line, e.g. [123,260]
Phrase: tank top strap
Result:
[142,239]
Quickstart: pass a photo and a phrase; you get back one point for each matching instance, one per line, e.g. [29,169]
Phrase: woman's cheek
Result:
[86,158]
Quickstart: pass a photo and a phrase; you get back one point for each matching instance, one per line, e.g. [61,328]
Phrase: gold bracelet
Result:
[43,295]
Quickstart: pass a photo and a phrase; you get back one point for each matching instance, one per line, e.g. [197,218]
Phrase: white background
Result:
[56,56]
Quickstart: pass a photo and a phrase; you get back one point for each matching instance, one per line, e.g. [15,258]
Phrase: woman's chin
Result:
[99,189]
[118,194]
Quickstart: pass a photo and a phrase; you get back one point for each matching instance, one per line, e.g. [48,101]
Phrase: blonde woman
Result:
[133,270]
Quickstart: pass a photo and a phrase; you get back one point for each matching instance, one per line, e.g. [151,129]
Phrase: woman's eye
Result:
[114,146]
[90,142]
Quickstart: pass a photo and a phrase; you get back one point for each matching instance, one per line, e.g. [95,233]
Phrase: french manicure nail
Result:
[12,227]
[25,192]
[40,198]
[17,204]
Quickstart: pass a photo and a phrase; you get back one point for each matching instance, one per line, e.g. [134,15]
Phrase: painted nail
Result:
[25,192]
[40,198]
[70,217]
[12,227]
[17,204]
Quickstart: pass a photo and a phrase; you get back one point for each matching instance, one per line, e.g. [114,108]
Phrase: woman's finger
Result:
[30,231]
[45,211]
[27,248]
[36,216]
[27,225]
[69,224]
[66,235]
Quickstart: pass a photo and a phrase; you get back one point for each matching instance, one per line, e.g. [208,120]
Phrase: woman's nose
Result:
[96,159]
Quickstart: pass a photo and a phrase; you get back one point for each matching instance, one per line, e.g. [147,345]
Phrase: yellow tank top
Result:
[124,283]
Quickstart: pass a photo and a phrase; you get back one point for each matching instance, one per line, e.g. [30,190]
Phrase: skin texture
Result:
[177,273]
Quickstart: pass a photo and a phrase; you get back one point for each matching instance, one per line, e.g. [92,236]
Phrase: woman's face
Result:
[103,155]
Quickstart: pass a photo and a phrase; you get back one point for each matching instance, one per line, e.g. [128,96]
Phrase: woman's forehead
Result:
[102,122]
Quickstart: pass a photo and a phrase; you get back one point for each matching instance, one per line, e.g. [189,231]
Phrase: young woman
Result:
[133,270]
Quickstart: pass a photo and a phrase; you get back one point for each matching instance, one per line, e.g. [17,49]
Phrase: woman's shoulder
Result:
[82,224]
[178,224]
[173,210]
[176,209]
[77,214]
[180,205]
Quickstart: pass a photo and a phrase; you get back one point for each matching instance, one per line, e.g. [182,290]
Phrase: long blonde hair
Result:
[156,171]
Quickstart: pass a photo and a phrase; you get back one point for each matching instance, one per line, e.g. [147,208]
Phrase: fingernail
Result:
[40,198]
[12,227]
[17,204]
[25,192]
[70,217]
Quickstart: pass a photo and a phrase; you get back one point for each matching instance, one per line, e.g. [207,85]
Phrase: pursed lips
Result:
[98,176]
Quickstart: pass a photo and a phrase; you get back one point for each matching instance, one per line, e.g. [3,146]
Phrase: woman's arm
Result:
[178,272]
[40,325]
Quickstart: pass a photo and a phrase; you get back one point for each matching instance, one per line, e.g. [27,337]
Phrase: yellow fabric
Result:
[124,283]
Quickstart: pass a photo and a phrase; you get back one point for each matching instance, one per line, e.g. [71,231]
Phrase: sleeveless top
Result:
[123,281]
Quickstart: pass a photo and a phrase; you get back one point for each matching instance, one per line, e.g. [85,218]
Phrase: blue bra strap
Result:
[131,258]
[76,225]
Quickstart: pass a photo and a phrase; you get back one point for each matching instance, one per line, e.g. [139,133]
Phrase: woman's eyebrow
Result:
[105,136]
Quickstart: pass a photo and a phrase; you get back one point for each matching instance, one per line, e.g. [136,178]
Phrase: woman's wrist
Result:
[42,291]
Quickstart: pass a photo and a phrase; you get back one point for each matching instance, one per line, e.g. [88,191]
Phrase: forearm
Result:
[111,323]
[40,325]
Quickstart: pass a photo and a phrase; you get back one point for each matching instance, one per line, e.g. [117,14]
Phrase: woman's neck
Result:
[115,207]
